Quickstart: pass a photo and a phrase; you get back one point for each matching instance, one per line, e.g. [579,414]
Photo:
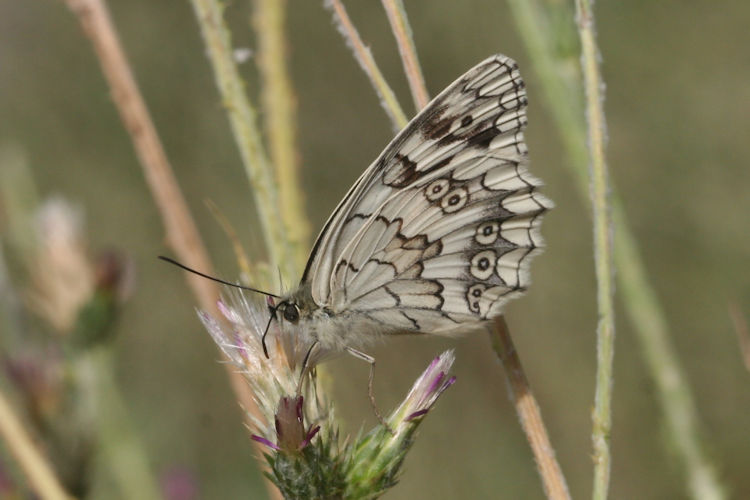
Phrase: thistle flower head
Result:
[387,446]
[76,294]
[290,427]
[296,422]
[61,272]
[284,396]
[425,391]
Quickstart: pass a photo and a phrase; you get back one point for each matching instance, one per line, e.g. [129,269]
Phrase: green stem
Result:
[121,447]
[593,85]
[243,119]
[561,89]
[675,398]
[280,118]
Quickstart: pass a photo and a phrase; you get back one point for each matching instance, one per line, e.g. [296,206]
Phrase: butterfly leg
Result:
[305,368]
[370,392]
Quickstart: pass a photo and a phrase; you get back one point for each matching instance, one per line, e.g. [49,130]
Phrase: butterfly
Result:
[437,234]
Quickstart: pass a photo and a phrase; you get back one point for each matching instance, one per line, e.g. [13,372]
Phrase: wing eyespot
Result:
[454,200]
[474,297]
[487,232]
[435,190]
[483,264]
[440,229]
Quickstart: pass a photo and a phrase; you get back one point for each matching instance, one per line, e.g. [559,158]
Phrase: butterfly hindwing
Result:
[439,230]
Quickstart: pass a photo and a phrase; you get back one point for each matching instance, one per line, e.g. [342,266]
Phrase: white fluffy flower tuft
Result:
[272,379]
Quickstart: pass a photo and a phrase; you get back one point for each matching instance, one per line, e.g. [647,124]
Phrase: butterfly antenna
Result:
[223,282]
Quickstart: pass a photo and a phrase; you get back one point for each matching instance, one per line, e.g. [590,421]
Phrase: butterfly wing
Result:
[440,229]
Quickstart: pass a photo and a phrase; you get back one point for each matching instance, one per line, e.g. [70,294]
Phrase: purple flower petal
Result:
[417,414]
[264,441]
[432,364]
[309,437]
[435,383]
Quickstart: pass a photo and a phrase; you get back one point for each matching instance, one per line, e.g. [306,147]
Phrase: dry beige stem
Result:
[182,234]
[529,414]
[33,464]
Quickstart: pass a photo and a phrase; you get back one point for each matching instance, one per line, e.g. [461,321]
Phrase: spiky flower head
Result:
[61,272]
[277,381]
[294,419]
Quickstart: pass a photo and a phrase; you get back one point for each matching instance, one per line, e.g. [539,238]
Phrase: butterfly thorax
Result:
[334,331]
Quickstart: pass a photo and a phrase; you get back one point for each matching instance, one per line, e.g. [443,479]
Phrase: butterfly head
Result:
[288,311]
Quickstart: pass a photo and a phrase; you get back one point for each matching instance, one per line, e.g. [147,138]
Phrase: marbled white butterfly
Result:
[437,234]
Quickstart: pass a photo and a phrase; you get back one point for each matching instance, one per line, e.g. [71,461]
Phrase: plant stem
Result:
[362,54]
[674,395]
[405,41]
[33,464]
[120,443]
[593,86]
[278,104]
[242,117]
[182,234]
[526,406]
[742,331]
[561,89]
[528,412]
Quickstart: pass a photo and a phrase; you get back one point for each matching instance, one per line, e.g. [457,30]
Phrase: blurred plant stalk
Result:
[603,231]
[548,30]
[296,421]
[182,234]
[363,56]
[63,372]
[243,120]
[279,109]
[42,479]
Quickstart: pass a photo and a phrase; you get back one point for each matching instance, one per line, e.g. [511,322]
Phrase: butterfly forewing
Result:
[439,230]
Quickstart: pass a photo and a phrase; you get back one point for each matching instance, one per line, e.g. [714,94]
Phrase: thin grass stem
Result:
[362,54]
[243,121]
[743,333]
[553,480]
[277,98]
[405,40]
[120,445]
[34,465]
[603,229]
[526,406]
[182,233]
[674,395]
[560,86]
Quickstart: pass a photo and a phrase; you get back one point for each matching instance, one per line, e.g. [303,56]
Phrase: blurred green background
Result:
[678,111]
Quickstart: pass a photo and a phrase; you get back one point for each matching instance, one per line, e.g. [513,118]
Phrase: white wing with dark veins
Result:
[440,229]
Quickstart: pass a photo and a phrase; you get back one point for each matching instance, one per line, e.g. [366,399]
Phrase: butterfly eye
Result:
[291,313]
